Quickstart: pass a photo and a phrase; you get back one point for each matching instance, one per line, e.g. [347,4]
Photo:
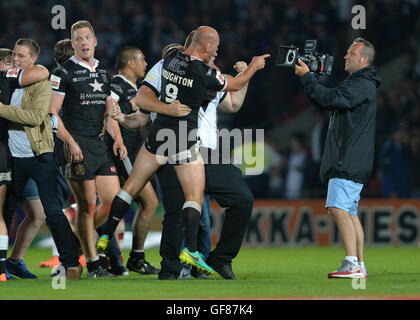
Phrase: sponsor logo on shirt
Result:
[12,73]
[55,81]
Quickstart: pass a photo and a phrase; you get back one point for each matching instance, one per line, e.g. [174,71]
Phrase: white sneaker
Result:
[348,269]
[364,271]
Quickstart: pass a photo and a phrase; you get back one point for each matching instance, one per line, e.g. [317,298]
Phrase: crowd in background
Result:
[249,28]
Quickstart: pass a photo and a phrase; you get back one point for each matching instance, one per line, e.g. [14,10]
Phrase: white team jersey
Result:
[207,120]
[153,77]
[207,123]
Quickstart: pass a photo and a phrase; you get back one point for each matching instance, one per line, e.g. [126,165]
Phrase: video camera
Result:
[318,63]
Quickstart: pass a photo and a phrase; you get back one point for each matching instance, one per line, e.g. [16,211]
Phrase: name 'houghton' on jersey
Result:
[85,94]
[187,79]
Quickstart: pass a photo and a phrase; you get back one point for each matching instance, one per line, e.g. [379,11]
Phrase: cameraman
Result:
[347,160]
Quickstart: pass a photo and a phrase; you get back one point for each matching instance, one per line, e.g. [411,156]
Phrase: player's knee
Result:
[35,219]
[151,204]
[86,207]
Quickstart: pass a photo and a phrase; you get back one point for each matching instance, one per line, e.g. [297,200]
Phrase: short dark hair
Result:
[368,49]
[32,45]
[63,51]
[124,55]
[5,53]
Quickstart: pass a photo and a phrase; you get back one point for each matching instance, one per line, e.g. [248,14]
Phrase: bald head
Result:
[205,35]
[204,44]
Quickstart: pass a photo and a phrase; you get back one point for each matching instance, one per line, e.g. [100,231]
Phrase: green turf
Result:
[262,274]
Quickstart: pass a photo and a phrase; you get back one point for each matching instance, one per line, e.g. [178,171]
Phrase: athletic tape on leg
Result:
[125,196]
[192,204]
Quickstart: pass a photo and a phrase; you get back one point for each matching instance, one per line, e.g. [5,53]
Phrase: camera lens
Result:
[290,56]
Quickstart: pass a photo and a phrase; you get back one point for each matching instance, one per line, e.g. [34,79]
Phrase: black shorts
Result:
[121,165]
[5,163]
[96,160]
[177,142]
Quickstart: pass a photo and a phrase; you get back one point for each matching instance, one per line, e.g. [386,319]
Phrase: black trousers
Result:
[224,182]
[43,170]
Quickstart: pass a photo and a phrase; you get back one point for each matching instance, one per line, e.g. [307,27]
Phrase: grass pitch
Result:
[263,273]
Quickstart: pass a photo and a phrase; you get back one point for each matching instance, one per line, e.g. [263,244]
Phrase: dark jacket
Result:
[349,146]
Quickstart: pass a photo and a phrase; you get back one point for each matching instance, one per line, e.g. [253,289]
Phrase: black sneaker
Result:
[167,276]
[225,271]
[183,275]
[141,266]
[99,272]
[198,275]
[117,268]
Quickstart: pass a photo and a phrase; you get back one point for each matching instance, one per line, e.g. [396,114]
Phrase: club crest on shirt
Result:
[220,77]
[12,73]
[55,81]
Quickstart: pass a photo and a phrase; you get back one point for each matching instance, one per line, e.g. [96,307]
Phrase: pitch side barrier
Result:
[307,223]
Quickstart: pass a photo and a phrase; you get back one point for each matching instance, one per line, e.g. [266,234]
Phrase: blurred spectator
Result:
[318,135]
[415,158]
[296,169]
[259,159]
[395,165]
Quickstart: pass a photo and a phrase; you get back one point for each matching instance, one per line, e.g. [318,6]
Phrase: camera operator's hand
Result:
[301,68]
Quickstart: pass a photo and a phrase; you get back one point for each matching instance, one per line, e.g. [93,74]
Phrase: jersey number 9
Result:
[171,92]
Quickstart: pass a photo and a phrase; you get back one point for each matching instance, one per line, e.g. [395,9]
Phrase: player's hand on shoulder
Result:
[259,61]
[115,110]
[240,66]
[177,109]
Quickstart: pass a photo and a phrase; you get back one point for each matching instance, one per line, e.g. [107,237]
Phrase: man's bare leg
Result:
[28,229]
[144,167]
[191,176]
[144,216]
[141,226]
[360,235]
[346,229]
[84,193]
[4,238]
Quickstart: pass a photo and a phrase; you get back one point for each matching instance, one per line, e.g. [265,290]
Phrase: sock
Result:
[137,254]
[4,241]
[352,259]
[103,261]
[119,207]
[93,263]
[191,217]
[54,250]
[361,264]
